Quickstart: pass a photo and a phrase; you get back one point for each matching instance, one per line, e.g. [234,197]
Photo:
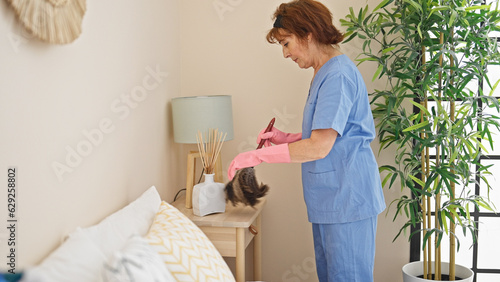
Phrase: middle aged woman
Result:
[340,178]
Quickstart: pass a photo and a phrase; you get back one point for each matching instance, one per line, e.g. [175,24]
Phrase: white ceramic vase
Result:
[208,197]
[412,270]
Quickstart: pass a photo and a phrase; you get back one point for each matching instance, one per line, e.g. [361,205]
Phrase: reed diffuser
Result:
[210,150]
[209,196]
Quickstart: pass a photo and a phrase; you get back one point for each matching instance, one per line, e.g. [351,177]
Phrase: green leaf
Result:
[484,205]
[377,73]
[351,37]
[366,59]
[490,140]
[454,212]
[364,13]
[453,16]
[414,4]
[393,179]
[480,7]
[421,107]
[386,178]
[418,181]
[478,142]
[389,49]
[454,155]
[438,8]
[416,126]
[494,88]
[360,16]
[382,5]
[414,117]
[419,30]
[351,11]
[444,222]
[426,237]
[440,236]
[386,167]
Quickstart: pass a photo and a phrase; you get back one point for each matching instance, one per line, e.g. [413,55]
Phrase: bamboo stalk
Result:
[438,161]
[437,252]
[429,249]
[452,224]
[424,223]
[452,196]
[424,155]
[426,211]
[427,171]
[423,158]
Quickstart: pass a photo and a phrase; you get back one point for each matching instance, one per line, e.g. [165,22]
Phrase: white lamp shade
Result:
[201,113]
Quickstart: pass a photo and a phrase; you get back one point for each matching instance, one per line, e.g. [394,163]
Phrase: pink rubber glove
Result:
[273,154]
[277,137]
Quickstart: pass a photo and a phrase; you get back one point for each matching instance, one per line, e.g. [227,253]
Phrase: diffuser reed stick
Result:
[210,148]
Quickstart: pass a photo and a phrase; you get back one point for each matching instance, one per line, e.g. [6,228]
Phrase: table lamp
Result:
[200,113]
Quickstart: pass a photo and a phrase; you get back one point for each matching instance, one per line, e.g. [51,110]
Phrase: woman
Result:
[340,178]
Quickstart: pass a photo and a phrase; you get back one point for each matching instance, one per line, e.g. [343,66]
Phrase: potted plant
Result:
[433,55]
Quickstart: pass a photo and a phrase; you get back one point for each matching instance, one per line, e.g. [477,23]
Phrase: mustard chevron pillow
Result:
[185,249]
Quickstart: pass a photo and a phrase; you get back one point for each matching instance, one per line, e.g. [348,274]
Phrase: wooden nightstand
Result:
[231,232]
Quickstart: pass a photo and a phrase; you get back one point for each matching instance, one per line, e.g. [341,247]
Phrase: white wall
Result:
[50,94]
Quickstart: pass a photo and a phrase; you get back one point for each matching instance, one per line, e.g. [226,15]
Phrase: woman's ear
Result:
[308,40]
[309,37]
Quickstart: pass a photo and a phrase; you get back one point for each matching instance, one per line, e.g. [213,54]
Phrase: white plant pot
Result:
[208,197]
[412,270]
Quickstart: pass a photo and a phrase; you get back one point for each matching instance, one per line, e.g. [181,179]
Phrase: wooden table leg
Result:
[190,177]
[240,254]
[257,251]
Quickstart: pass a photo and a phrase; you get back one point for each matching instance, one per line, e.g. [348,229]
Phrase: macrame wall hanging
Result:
[53,21]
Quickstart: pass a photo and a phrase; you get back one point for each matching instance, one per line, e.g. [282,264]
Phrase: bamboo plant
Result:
[433,54]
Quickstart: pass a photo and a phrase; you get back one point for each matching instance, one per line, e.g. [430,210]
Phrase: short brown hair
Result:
[301,17]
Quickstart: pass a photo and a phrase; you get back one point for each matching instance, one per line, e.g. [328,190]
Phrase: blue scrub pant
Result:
[345,252]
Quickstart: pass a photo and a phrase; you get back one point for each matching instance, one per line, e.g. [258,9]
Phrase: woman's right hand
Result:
[277,137]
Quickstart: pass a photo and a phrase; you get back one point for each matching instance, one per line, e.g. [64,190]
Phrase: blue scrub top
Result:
[344,186]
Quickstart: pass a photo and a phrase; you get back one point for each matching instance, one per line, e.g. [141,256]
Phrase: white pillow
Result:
[135,219]
[82,256]
[77,259]
[137,261]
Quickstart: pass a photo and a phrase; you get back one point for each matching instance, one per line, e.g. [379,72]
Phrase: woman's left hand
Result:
[273,154]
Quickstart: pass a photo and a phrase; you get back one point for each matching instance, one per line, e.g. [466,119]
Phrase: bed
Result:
[148,240]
